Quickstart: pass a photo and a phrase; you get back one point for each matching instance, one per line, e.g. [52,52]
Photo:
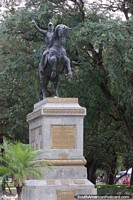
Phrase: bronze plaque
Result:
[66,195]
[50,182]
[32,136]
[63,137]
[64,111]
[79,181]
[36,138]
[63,156]
[62,100]
[64,181]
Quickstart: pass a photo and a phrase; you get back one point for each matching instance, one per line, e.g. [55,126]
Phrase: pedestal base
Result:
[56,129]
[59,189]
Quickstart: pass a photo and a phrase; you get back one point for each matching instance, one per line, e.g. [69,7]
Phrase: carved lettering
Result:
[63,137]
[66,195]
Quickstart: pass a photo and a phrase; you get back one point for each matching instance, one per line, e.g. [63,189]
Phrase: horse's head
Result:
[62,30]
[60,33]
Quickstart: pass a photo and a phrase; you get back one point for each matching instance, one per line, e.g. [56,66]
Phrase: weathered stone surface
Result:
[56,129]
[38,190]
[60,134]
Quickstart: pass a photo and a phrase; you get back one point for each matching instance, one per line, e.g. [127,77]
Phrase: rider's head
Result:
[50,26]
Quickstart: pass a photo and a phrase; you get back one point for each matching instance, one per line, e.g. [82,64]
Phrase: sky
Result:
[87,3]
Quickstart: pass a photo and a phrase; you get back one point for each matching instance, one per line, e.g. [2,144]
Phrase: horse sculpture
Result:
[55,60]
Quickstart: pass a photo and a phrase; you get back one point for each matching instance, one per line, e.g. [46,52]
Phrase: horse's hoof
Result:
[70,75]
[53,74]
[44,97]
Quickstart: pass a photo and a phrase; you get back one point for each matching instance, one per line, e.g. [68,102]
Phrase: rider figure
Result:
[47,36]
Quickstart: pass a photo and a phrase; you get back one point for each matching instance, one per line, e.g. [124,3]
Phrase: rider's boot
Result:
[53,74]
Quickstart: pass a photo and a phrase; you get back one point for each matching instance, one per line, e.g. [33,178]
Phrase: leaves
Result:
[17,162]
[100,49]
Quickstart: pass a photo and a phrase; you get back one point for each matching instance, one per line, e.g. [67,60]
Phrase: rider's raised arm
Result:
[39,29]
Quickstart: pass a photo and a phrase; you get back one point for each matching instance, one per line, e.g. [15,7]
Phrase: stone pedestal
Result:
[56,129]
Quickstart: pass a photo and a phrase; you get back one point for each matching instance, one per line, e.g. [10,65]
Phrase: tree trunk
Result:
[112,169]
[3,185]
[111,179]
[121,110]
[19,192]
[129,126]
[105,178]
[91,171]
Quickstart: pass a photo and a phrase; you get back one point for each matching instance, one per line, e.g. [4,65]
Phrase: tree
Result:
[124,7]
[18,75]
[17,164]
[104,73]
[21,50]
[100,49]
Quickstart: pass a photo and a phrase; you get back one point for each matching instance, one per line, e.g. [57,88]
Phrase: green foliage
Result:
[114,190]
[19,75]
[21,50]
[17,162]
[100,50]
[104,85]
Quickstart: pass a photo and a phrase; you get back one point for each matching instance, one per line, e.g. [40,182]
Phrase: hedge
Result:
[114,190]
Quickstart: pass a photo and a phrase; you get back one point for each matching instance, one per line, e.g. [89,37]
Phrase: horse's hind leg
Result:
[40,94]
[53,63]
[44,87]
[56,86]
[44,81]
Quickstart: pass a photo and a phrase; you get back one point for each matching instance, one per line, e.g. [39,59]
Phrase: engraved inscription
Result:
[63,156]
[63,137]
[66,195]
[64,111]
[64,181]
[62,100]
[79,181]
[36,138]
[50,182]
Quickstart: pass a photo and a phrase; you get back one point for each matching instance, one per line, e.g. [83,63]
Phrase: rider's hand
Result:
[33,21]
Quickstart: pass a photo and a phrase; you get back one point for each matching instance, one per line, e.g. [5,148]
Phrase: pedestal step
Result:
[59,189]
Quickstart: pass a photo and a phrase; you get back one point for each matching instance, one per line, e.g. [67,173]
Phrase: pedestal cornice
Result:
[57,107]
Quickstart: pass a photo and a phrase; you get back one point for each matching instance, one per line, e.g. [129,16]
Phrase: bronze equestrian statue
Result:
[54,60]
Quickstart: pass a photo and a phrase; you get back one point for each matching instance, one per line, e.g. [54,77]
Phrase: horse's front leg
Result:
[56,86]
[44,81]
[67,65]
[53,63]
